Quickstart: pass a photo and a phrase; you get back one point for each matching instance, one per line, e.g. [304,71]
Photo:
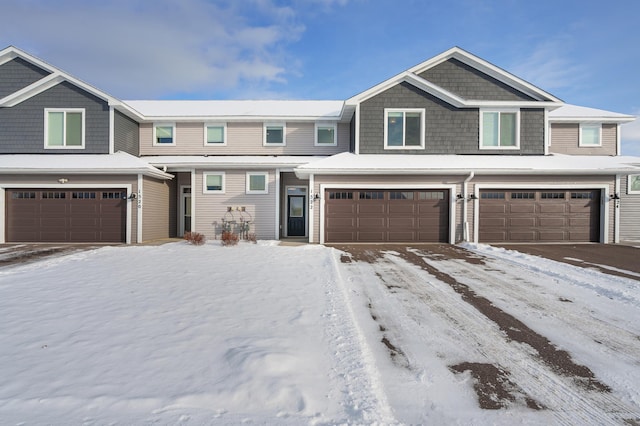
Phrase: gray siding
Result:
[448,130]
[22,130]
[469,83]
[18,74]
[565,139]
[629,213]
[126,134]
[155,209]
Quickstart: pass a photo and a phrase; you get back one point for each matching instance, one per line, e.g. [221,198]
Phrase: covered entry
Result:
[539,215]
[371,215]
[70,215]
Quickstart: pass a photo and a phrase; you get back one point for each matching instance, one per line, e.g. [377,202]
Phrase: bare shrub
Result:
[195,238]
[229,238]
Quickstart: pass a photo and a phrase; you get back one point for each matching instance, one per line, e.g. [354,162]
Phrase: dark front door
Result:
[296,216]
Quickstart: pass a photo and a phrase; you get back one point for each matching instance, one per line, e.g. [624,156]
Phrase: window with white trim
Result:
[633,184]
[213,182]
[257,183]
[64,128]
[274,134]
[326,134]
[499,129]
[404,128]
[215,134]
[590,135]
[164,134]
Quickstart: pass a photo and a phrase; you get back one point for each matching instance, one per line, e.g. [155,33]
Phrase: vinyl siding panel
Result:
[243,138]
[126,134]
[114,181]
[211,208]
[448,130]
[565,139]
[373,181]
[469,83]
[18,74]
[155,209]
[22,130]
[629,213]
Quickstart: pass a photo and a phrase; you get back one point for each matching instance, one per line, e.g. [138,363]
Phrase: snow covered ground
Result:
[269,334]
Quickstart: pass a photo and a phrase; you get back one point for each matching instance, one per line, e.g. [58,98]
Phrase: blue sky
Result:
[584,52]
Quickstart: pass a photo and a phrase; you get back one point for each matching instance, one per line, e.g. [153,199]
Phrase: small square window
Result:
[274,134]
[404,129]
[633,184]
[590,135]
[326,134]
[164,134]
[257,183]
[64,128]
[499,130]
[213,182]
[215,134]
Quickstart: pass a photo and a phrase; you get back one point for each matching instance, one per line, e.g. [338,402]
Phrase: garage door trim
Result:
[435,186]
[604,202]
[126,187]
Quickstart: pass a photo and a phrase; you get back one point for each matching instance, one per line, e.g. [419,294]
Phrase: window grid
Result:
[23,195]
[401,195]
[492,195]
[371,195]
[552,195]
[336,195]
[582,195]
[83,195]
[53,195]
[431,195]
[523,195]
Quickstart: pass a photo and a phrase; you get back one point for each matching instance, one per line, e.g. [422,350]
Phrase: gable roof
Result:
[411,76]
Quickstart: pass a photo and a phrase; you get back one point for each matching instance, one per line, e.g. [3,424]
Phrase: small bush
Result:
[195,238]
[252,237]
[229,238]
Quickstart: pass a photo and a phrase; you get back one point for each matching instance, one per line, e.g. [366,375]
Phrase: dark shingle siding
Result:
[469,83]
[126,134]
[18,74]
[448,130]
[22,129]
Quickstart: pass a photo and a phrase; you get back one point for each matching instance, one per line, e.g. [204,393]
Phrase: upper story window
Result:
[499,129]
[257,183]
[213,182]
[404,128]
[164,134]
[64,128]
[326,134]
[274,134]
[215,134]
[633,184]
[590,134]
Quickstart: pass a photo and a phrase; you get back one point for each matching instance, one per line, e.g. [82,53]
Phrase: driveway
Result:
[15,254]
[608,258]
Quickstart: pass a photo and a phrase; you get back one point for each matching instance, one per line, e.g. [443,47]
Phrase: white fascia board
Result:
[81,171]
[593,119]
[303,173]
[245,118]
[31,90]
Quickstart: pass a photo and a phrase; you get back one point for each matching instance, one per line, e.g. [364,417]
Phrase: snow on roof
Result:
[580,113]
[231,161]
[331,110]
[349,163]
[118,163]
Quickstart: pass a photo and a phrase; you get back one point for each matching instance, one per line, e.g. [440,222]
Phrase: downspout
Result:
[465,223]
[616,211]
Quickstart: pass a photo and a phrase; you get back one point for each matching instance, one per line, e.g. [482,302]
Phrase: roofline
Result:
[303,172]
[595,119]
[83,171]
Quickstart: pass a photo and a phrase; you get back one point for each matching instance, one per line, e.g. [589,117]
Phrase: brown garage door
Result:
[546,216]
[386,216]
[75,215]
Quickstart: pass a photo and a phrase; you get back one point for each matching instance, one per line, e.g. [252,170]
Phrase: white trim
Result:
[499,111]
[590,124]
[3,186]
[404,111]
[618,140]
[64,121]
[248,175]
[325,124]
[547,132]
[450,187]
[616,212]
[193,199]
[278,206]
[265,126]
[139,203]
[356,144]
[173,133]
[604,198]
[212,191]
[311,220]
[306,208]
[112,129]
[224,133]
[181,209]
[629,179]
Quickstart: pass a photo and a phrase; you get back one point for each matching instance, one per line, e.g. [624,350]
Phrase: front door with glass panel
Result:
[296,216]
[185,209]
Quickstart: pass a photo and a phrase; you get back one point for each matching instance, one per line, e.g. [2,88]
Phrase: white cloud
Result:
[140,49]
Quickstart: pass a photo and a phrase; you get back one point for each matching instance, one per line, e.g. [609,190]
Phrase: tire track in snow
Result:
[364,395]
[569,402]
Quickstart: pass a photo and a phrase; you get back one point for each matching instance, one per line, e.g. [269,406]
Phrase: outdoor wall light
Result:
[459,196]
[63,180]
[614,196]
[316,196]
[472,197]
